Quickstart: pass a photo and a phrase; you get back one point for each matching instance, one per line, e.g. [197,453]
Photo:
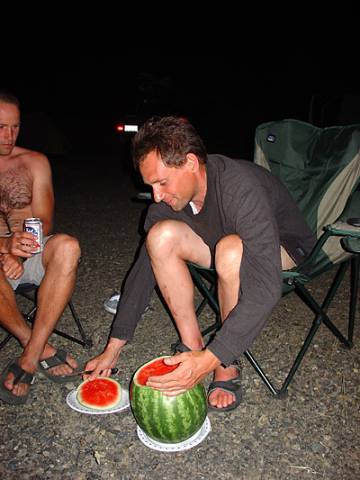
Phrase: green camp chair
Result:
[321,168]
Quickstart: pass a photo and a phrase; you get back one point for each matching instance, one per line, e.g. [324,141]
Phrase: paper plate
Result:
[191,442]
[73,403]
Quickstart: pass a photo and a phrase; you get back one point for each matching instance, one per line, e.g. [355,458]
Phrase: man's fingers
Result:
[100,372]
[95,373]
[176,359]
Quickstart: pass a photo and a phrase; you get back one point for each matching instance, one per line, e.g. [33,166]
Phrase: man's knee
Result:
[64,248]
[228,255]
[163,236]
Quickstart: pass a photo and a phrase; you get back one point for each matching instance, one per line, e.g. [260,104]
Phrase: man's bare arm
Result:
[43,194]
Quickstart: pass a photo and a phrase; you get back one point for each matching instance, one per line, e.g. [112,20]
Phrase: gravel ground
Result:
[313,433]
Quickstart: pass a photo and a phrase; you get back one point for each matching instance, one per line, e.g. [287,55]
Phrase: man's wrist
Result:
[115,345]
[5,243]
[211,360]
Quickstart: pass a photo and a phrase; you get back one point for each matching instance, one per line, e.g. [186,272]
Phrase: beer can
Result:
[34,226]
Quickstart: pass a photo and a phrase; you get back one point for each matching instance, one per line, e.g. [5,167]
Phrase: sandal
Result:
[58,359]
[21,376]
[232,386]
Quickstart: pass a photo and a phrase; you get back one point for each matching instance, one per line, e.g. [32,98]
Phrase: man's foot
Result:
[59,366]
[224,392]
[15,383]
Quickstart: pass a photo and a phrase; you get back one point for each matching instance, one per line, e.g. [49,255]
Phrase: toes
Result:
[19,389]
[9,381]
[221,399]
[71,361]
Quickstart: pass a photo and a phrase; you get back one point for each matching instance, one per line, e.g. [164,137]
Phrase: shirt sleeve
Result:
[139,284]
[250,216]
[135,297]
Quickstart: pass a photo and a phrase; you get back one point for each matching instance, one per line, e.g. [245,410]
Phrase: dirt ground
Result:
[311,434]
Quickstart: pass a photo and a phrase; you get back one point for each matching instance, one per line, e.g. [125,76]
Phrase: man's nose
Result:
[158,196]
[9,134]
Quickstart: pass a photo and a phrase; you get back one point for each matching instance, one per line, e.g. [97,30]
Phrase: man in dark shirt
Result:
[212,211]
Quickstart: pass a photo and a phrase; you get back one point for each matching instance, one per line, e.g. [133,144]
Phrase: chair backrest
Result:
[319,166]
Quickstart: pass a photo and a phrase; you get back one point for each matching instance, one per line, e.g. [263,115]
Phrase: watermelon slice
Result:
[99,394]
[166,419]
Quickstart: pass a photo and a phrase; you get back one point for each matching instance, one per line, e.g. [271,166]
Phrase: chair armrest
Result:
[343,229]
[289,276]
[351,245]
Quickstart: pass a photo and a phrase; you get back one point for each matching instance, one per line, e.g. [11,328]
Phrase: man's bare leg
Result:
[170,243]
[61,256]
[228,263]
[228,258]
[10,317]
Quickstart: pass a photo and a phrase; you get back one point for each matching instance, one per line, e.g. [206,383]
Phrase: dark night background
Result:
[71,105]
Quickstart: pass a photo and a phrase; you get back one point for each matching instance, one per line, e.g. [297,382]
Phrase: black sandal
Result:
[58,359]
[21,376]
[232,386]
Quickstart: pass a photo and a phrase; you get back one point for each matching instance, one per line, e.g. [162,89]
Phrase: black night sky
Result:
[224,95]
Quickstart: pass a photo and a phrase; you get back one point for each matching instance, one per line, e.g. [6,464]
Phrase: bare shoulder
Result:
[33,160]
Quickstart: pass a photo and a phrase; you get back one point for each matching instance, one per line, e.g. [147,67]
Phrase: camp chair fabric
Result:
[321,169]
[29,291]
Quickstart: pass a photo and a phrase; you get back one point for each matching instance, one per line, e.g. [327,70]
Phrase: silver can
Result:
[34,226]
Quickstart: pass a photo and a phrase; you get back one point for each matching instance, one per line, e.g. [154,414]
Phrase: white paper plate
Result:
[73,403]
[191,442]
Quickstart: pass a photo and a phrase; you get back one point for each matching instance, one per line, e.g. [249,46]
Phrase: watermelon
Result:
[166,419]
[99,394]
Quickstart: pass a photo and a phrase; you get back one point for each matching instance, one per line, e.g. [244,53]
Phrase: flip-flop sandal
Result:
[20,376]
[232,386]
[58,359]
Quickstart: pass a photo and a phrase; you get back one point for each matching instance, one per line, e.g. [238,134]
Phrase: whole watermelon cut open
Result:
[99,394]
[166,419]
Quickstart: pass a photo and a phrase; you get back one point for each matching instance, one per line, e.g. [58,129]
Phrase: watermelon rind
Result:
[167,419]
[86,384]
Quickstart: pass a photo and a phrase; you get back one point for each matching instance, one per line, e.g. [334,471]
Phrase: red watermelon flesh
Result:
[99,394]
[158,367]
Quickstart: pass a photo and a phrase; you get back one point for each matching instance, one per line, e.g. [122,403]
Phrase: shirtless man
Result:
[26,191]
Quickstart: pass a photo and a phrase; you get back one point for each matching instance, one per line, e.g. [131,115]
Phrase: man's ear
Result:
[192,162]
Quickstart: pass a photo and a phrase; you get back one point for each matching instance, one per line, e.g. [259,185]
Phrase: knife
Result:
[89,372]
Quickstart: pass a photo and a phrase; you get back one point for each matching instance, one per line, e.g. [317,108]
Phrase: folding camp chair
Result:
[321,168]
[29,291]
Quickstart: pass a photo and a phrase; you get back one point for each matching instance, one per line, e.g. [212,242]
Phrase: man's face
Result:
[9,127]
[175,186]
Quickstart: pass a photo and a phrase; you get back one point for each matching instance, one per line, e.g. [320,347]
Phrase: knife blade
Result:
[89,372]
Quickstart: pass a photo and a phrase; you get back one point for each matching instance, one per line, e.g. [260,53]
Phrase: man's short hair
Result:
[171,137]
[8,97]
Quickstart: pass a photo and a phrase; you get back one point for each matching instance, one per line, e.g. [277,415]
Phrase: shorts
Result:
[33,270]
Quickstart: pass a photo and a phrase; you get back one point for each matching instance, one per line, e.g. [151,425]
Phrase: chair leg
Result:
[321,310]
[321,317]
[275,392]
[209,294]
[83,341]
[5,340]
[355,263]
